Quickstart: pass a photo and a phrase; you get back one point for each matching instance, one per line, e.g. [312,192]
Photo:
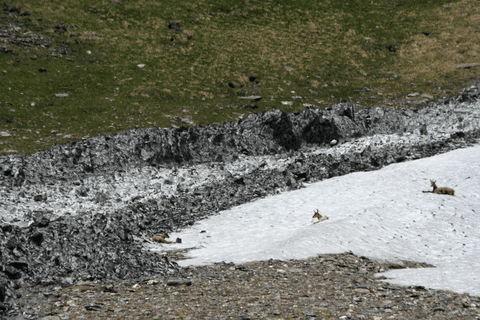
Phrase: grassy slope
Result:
[367,52]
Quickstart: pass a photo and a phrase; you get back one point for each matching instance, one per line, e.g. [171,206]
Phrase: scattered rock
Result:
[289,69]
[427,96]
[179,282]
[467,65]
[235,85]
[5,134]
[40,197]
[60,95]
[349,281]
[175,25]
[255,98]
[3,292]
[440,309]
[82,191]
[101,197]
[93,307]
[391,48]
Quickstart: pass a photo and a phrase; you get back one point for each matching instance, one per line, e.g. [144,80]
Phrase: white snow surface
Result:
[379,214]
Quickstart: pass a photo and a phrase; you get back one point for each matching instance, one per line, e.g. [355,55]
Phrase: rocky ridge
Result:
[84,210]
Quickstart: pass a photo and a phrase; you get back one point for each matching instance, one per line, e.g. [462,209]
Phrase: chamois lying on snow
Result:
[442,190]
[319,216]
[162,238]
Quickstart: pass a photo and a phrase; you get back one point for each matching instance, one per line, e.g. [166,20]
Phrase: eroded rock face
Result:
[272,132]
[83,210]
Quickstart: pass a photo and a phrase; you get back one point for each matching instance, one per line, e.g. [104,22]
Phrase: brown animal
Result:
[162,238]
[317,215]
[442,190]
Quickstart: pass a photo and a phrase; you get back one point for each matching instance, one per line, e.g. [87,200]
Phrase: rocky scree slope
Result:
[82,211]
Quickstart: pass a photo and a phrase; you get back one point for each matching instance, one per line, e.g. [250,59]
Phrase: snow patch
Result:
[380,214]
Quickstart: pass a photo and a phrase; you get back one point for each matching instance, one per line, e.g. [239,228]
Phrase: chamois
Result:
[319,216]
[162,238]
[442,190]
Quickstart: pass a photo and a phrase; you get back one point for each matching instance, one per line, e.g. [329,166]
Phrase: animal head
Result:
[317,214]
[165,235]
[432,183]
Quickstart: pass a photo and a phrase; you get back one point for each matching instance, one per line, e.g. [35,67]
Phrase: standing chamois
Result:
[442,190]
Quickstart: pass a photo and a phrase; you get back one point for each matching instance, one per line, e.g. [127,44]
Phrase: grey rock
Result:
[423,129]
[427,96]
[59,95]
[467,65]
[5,134]
[255,98]
[310,314]
[82,191]
[289,69]
[100,197]
[472,89]
[93,307]
[40,197]
[179,282]
[3,291]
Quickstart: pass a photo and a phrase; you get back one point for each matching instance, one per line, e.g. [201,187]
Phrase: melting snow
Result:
[381,215]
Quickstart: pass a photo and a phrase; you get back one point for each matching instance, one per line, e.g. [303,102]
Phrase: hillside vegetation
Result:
[74,69]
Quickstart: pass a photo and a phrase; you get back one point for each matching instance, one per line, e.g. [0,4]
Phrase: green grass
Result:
[200,58]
